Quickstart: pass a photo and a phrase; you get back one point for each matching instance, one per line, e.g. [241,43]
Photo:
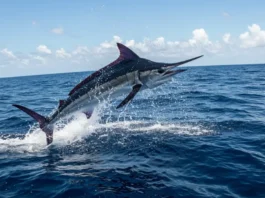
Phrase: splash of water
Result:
[79,128]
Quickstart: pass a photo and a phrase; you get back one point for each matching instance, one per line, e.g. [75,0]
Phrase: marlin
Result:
[127,74]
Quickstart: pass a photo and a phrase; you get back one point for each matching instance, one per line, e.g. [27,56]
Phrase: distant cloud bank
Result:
[158,48]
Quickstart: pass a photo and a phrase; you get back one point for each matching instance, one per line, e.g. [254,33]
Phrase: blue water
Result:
[202,135]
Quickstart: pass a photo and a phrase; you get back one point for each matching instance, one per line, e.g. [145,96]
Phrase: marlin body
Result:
[127,74]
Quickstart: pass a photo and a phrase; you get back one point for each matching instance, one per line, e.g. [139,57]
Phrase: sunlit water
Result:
[202,135]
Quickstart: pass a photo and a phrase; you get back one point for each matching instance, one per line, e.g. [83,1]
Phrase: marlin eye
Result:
[160,71]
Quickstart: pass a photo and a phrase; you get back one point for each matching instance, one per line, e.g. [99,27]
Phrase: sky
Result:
[42,37]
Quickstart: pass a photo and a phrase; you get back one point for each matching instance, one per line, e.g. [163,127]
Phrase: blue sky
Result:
[64,36]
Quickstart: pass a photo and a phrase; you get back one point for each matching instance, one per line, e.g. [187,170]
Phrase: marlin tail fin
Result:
[41,120]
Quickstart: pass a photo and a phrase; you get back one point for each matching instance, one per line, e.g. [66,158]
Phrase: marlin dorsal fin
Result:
[126,53]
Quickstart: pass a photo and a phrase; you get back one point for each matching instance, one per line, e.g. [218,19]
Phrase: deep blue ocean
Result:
[201,135]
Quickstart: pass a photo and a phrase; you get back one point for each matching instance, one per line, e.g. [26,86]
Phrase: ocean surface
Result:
[201,135]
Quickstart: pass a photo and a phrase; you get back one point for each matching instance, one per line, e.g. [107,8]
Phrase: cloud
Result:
[25,61]
[61,53]
[81,50]
[130,43]
[226,38]
[225,14]
[44,49]
[199,37]
[200,43]
[255,37]
[33,60]
[58,30]
[159,47]
[111,44]
[8,53]
[39,58]
[92,58]
[159,42]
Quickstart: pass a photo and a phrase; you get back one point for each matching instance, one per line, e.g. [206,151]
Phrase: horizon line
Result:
[96,70]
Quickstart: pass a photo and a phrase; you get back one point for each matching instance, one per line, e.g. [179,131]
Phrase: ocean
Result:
[201,135]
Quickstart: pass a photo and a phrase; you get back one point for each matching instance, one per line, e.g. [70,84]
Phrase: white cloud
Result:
[226,38]
[158,49]
[199,37]
[106,45]
[61,53]
[173,44]
[255,37]
[111,44]
[44,49]
[8,53]
[81,50]
[130,43]
[159,42]
[225,14]
[117,39]
[38,58]
[25,61]
[58,30]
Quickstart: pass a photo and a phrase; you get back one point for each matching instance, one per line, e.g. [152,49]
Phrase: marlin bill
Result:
[128,74]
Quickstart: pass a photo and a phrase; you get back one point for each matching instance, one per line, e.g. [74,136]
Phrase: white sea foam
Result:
[80,127]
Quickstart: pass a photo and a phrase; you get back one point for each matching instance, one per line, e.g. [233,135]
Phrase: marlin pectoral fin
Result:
[131,95]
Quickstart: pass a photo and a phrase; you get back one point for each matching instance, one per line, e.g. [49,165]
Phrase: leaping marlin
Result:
[128,74]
